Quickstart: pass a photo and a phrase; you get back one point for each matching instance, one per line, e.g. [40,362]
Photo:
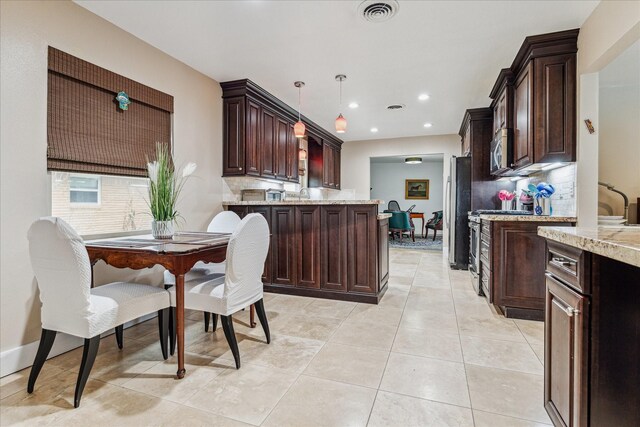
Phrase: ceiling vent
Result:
[395,107]
[378,10]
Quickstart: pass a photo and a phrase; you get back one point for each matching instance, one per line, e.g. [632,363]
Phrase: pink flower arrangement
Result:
[505,195]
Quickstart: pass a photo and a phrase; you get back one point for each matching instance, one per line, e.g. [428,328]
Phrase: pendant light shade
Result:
[299,128]
[341,122]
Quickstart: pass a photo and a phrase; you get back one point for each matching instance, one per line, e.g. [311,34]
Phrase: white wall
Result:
[388,183]
[356,155]
[27,28]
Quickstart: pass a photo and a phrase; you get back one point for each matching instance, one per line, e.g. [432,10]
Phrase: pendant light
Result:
[299,127]
[341,122]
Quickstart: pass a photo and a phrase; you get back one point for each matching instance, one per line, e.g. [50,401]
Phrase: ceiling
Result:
[450,50]
[426,158]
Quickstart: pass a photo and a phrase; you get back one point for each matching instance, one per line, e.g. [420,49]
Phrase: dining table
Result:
[178,255]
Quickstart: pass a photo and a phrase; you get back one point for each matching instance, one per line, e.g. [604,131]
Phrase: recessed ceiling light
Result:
[423,97]
[374,130]
[353,105]
[428,125]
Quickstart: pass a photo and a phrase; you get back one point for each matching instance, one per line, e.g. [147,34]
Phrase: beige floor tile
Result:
[500,354]
[428,343]
[432,379]
[489,327]
[289,353]
[510,393]
[437,282]
[305,326]
[288,303]
[394,298]
[486,419]
[429,320]
[16,382]
[247,394]
[392,409]
[402,270]
[427,303]
[400,280]
[192,417]
[161,381]
[365,334]
[349,364]
[330,308]
[539,351]
[374,314]
[317,402]
[533,331]
[119,366]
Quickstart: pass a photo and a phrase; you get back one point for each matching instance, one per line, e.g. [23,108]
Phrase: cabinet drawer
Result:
[485,253]
[486,232]
[570,265]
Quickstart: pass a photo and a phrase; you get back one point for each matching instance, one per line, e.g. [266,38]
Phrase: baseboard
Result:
[22,357]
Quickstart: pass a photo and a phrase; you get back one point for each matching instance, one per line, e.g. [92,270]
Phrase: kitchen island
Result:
[592,326]
[336,249]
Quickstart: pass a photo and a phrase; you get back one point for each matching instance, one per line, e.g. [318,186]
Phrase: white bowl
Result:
[606,217]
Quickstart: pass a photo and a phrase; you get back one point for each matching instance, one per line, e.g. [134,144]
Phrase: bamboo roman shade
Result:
[88,132]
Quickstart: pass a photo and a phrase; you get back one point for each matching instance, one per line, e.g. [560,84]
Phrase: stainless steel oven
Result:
[474,252]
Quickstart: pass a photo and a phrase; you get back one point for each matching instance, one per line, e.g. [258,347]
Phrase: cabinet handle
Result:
[571,311]
[513,165]
[563,262]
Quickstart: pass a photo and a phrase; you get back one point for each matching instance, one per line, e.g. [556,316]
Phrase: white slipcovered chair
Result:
[241,284]
[69,304]
[224,222]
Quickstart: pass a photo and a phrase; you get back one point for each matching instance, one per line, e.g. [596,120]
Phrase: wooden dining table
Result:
[178,255]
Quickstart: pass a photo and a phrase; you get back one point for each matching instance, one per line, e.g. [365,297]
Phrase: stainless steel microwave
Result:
[501,155]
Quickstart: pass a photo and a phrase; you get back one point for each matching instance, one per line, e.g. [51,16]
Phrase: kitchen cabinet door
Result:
[327,166]
[383,252]
[566,355]
[523,119]
[307,220]
[233,130]
[333,240]
[283,245]
[265,211]
[292,156]
[336,168]
[466,141]
[555,108]
[282,166]
[268,144]
[252,139]
[362,248]
[241,211]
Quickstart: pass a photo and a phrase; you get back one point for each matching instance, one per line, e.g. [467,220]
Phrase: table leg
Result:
[423,228]
[180,323]
[252,316]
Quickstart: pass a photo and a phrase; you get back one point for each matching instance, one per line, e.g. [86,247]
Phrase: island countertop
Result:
[304,202]
[528,218]
[618,243]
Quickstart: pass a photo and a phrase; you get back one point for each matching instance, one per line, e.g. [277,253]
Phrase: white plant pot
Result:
[162,229]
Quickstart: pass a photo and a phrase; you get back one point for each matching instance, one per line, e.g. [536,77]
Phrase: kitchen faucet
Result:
[624,196]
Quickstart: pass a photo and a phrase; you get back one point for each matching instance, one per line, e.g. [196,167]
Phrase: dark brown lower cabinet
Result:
[283,245]
[325,251]
[333,220]
[592,339]
[307,235]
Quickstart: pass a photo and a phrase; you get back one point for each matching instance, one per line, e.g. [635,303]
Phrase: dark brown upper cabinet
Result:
[324,163]
[536,98]
[258,138]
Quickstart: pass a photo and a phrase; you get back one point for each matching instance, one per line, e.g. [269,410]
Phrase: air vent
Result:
[395,107]
[378,10]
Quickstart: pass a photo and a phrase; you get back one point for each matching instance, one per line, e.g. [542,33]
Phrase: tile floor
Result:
[430,354]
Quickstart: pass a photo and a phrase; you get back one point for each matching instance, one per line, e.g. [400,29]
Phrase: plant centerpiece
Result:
[165,185]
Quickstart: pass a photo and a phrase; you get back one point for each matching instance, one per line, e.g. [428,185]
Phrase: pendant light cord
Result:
[299,102]
[340,95]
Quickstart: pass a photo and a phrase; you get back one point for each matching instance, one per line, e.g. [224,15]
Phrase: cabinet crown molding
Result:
[506,77]
[558,43]
[247,88]
[484,113]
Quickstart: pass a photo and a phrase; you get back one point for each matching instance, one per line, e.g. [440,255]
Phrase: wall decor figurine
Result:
[416,189]
[123,100]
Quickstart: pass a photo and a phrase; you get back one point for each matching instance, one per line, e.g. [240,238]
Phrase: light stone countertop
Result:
[304,202]
[619,243]
[528,218]
[384,216]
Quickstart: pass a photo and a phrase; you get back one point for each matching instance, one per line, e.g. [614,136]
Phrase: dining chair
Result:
[400,222]
[435,223]
[393,206]
[70,305]
[241,284]
[224,222]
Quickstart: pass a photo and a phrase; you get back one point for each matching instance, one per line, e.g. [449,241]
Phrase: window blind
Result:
[88,132]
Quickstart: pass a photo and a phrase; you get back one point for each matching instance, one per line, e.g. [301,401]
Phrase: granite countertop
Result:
[528,218]
[619,243]
[305,202]
[384,215]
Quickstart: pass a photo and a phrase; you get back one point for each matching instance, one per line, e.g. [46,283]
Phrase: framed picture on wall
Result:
[416,189]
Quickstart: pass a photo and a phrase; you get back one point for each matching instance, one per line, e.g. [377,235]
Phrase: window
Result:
[100,204]
[84,190]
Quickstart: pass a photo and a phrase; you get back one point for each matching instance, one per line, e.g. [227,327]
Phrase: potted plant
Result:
[165,185]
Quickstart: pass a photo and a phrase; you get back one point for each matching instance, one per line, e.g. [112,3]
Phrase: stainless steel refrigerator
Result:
[458,207]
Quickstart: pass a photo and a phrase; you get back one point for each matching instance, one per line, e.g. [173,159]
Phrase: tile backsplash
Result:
[232,189]
[563,179]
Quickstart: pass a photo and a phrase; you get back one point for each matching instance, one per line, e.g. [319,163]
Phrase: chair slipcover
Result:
[224,222]
[63,272]
[241,285]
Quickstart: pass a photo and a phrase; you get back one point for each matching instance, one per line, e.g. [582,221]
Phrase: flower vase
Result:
[162,229]
[542,206]
[507,205]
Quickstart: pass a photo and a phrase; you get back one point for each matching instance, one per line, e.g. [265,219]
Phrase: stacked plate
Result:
[611,220]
